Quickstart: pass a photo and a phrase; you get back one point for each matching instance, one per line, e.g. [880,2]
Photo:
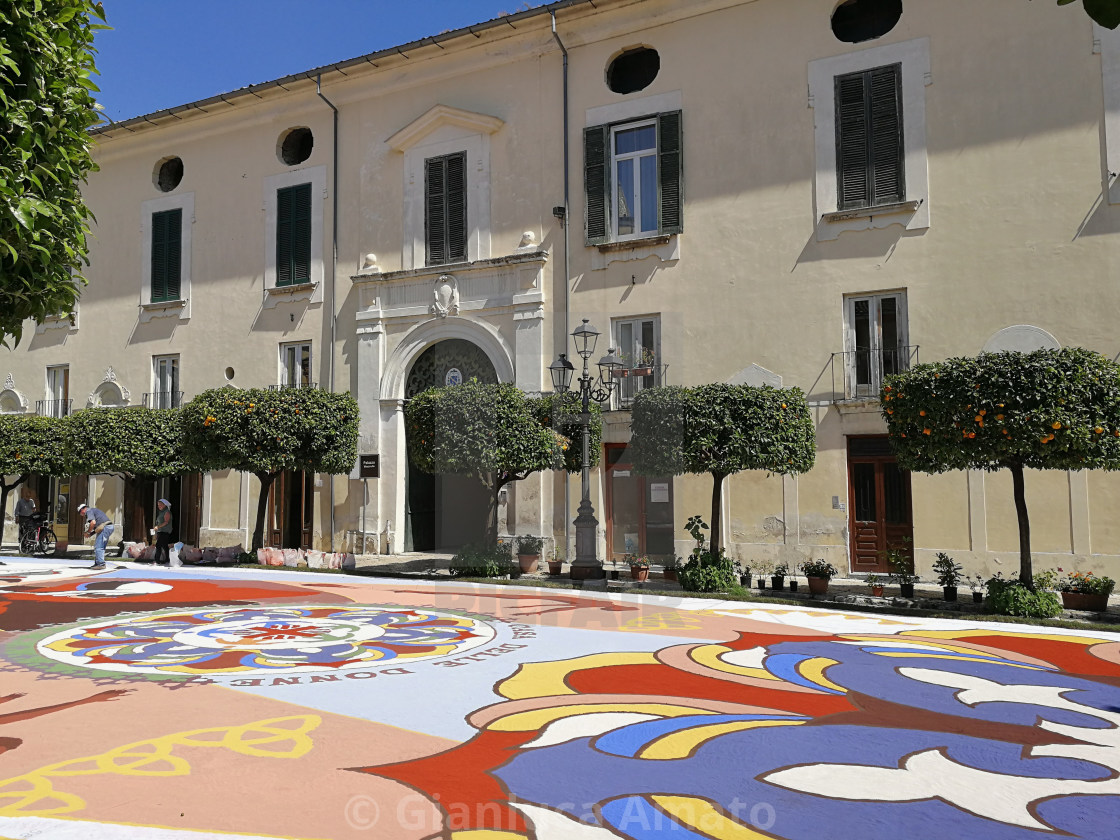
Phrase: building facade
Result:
[801,193]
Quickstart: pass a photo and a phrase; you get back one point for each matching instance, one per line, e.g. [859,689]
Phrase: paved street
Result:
[156,703]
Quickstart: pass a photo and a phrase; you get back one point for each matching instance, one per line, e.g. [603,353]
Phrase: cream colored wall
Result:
[752,284]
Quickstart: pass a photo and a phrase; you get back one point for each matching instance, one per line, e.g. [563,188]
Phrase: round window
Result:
[863,20]
[296,145]
[633,70]
[168,174]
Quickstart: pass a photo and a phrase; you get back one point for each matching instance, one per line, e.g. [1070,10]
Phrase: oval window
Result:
[633,70]
[168,174]
[863,20]
[296,145]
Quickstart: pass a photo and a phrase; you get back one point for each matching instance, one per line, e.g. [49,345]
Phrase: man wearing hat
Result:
[163,530]
[97,523]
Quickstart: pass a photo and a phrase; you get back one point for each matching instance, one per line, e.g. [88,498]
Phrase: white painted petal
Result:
[583,726]
[750,658]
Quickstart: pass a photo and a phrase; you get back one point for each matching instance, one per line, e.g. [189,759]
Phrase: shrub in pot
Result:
[556,562]
[898,561]
[639,567]
[818,573]
[670,568]
[529,552]
[948,575]
[876,584]
[976,584]
[778,578]
[1085,591]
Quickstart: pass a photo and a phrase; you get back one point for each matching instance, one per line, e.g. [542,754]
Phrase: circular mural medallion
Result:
[265,640]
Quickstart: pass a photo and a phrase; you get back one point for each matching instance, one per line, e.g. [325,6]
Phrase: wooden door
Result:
[291,510]
[879,505]
[189,520]
[639,510]
[75,525]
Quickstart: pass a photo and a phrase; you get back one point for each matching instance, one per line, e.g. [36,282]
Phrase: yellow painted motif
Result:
[665,621]
[681,744]
[549,679]
[813,670]
[539,718]
[1043,637]
[33,794]
[701,816]
[709,656]
[925,655]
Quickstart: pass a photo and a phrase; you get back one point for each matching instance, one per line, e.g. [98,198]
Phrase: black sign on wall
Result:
[369,466]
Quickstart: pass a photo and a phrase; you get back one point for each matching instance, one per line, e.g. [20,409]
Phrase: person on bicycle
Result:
[25,507]
[97,523]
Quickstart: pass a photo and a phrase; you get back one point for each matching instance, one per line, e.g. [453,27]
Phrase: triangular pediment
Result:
[442,116]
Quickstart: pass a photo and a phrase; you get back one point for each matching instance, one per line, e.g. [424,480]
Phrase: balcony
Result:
[632,380]
[53,408]
[857,375]
[163,399]
[311,385]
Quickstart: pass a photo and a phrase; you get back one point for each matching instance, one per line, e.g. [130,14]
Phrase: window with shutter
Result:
[870,167]
[633,179]
[167,251]
[445,208]
[293,235]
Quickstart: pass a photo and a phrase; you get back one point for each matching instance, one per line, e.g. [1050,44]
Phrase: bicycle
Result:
[39,538]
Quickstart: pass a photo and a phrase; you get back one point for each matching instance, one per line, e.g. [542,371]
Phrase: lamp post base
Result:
[586,565]
[595,572]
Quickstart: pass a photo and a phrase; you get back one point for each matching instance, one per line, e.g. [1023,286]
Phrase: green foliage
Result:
[264,432]
[948,571]
[1013,597]
[479,430]
[528,544]
[721,429]
[484,561]
[131,441]
[898,561]
[706,572]
[818,568]
[561,413]
[46,110]
[32,444]
[1104,12]
[636,561]
[1049,409]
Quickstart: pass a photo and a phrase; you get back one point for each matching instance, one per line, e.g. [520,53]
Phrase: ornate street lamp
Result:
[586,564]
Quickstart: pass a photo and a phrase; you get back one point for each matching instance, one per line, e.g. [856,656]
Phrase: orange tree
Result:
[721,430]
[497,434]
[267,432]
[28,444]
[1049,409]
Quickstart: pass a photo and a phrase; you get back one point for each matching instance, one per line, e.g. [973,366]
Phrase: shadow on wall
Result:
[872,243]
[1103,217]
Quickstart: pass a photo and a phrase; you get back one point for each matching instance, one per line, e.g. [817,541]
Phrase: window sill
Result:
[294,289]
[666,247]
[640,242]
[163,305]
[870,212]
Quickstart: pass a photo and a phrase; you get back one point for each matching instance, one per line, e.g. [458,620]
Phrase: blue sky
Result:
[162,53]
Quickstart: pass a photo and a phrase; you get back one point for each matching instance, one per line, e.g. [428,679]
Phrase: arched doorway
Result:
[445,511]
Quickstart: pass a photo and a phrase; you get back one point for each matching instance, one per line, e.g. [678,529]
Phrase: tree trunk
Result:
[4,488]
[266,480]
[717,509]
[1026,574]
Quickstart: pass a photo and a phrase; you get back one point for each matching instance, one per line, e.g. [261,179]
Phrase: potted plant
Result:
[529,552]
[763,568]
[876,584]
[744,575]
[976,584]
[778,577]
[669,569]
[899,563]
[643,364]
[639,567]
[948,575]
[818,573]
[1085,591]
[556,562]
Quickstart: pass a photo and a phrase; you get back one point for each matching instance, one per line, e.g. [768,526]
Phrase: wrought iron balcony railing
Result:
[858,374]
[312,385]
[163,399]
[53,408]
[632,380]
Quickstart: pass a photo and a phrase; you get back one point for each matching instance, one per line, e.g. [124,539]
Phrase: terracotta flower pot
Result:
[639,573]
[877,591]
[669,574]
[555,567]
[1084,601]
[528,562]
[818,585]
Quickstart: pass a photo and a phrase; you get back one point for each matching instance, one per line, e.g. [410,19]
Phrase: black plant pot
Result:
[978,597]
[761,584]
[906,590]
[950,592]
[777,583]
[793,586]
[745,580]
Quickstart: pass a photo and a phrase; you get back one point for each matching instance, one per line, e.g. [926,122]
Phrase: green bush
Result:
[1012,597]
[705,573]
[484,561]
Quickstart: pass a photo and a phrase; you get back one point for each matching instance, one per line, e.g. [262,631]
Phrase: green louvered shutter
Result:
[870,167]
[293,235]
[596,182]
[167,234]
[670,173]
[445,208]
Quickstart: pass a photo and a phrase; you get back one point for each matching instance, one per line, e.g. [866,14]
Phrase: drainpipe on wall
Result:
[334,260]
[567,278]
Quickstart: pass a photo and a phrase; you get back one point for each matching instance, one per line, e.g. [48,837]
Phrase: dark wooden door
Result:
[189,520]
[879,506]
[78,489]
[639,510]
[291,510]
